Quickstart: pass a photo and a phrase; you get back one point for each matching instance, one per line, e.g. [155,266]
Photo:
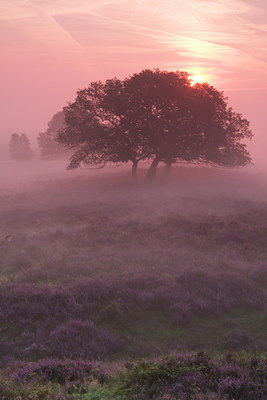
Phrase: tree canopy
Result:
[153,115]
[48,145]
[19,147]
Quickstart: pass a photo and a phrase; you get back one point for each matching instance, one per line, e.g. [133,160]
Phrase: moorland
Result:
[133,290]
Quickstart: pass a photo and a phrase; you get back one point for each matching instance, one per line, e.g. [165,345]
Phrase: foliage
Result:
[100,126]
[56,371]
[187,375]
[153,115]
[40,321]
[76,338]
[180,376]
[19,147]
[10,389]
[48,145]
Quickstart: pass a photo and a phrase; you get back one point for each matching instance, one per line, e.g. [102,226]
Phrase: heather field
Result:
[98,272]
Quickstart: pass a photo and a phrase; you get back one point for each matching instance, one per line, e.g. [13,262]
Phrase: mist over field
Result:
[96,267]
[133,200]
[120,241]
[249,182]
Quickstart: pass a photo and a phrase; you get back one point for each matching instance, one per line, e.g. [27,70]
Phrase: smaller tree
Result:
[19,147]
[48,145]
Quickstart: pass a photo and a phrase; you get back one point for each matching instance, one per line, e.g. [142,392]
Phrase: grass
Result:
[101,246]
[98,392]
[154,333]
[113,232]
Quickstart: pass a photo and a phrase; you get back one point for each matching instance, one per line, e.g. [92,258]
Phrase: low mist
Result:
[197,180]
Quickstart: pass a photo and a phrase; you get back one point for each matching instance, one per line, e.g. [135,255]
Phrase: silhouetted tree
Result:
[48,145]
[19,147]
[153,115]
[101,127]
[221,130]
[164,115]
[185,123]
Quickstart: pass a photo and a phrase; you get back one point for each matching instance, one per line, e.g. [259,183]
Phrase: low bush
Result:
[188,376]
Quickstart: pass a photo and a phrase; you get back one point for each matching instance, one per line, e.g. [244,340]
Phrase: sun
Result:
[196,79]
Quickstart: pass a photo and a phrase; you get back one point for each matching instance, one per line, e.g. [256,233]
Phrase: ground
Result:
[98,267]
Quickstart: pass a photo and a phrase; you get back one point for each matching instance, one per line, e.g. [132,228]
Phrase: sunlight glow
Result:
[196,79]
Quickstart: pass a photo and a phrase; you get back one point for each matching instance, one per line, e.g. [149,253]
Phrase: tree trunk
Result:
[134,169]
[167,170]
[151,173]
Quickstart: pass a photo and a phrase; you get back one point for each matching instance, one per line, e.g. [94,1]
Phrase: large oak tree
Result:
[153,115]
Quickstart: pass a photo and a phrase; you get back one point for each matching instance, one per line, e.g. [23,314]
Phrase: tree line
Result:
[152,115]
[20,147]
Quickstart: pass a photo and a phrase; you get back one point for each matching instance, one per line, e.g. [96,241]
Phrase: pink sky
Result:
[50,48]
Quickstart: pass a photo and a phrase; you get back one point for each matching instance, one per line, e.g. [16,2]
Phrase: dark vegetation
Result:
[94,272]
[153,115]
[49,147]
[181,377]
[19,147]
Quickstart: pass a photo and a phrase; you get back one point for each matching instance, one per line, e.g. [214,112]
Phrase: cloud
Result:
[219,36]
[16,9]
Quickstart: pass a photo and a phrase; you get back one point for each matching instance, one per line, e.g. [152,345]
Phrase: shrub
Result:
[188,376]
[77,338]
[57,371]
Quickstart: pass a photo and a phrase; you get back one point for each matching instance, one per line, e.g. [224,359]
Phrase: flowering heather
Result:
[55,370]
[76,338]
[184,377]
[104,271]
[177,377]
[66,321]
